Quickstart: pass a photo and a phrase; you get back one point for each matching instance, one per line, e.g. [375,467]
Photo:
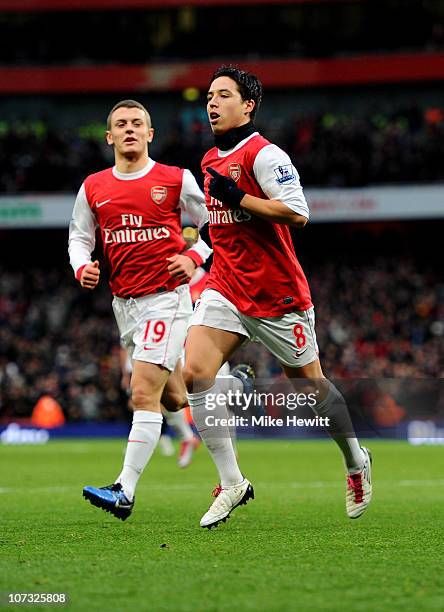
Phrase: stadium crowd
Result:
[384,319]
[405,145]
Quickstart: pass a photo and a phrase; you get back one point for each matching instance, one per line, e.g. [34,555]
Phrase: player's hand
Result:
[90,275]
[224,189]
[181,267]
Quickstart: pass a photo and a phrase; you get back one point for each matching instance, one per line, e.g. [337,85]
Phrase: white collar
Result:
[130,176]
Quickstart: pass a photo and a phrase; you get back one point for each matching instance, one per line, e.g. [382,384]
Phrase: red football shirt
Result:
[140,224]
[254,262]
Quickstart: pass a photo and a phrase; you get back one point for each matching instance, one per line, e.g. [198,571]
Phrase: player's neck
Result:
[232,137]
[127,165]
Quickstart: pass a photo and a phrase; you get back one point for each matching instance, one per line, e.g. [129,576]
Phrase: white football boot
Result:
[359,488]
[166,446]
[227,499]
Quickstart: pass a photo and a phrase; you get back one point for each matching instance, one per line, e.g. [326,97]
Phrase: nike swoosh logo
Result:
[299,353]
[99,204]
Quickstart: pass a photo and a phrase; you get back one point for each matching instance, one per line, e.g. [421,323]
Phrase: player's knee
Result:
[142,400]
[188,377]
[197,374]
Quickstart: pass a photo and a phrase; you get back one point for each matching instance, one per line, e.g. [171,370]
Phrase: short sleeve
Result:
[279,179]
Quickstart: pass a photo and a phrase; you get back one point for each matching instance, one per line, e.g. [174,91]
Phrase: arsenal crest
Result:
[159,194]
[234,170]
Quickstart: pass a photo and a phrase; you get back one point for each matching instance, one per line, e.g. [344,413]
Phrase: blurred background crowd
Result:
[327,148]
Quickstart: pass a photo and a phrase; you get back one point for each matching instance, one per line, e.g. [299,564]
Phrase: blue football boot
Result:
[246,374]
[111,499]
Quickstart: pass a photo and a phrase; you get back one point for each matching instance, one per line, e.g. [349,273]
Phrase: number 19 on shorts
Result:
[154,333]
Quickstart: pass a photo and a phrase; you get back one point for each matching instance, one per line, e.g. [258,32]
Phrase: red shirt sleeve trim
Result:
[194,256]
[79,272]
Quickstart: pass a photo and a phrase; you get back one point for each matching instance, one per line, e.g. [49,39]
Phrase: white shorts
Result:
[291,338]
[153,328]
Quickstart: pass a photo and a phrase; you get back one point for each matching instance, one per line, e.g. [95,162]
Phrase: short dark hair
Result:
[127,104]
[250,87]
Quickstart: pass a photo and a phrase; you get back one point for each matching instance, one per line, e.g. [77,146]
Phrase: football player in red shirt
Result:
[137,207]
[256,288]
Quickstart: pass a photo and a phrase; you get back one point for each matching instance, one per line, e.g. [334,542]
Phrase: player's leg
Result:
[153,330]
[174,399]
[331,404]
[225,374]
[206,350]
[292,339]
[147,383]
[165,445]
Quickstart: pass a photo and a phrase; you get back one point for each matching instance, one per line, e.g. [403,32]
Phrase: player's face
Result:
[225,107]
[130,132]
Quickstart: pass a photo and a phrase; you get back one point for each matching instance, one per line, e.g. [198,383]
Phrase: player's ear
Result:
[249,106]
[109,137]
[150,135]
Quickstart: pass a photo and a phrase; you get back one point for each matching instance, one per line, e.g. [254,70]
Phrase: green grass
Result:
[292,548]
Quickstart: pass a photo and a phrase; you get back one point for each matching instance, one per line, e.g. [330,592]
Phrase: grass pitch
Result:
[292,548]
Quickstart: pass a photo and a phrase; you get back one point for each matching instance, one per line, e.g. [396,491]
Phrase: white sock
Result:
[227,382]
[142,441]
[216,439]
[233,433]
[341,428]
[179,423]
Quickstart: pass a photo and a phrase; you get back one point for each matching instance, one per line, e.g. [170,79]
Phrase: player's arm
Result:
[81,242]
[273,210]
[278,179]
[192,203]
